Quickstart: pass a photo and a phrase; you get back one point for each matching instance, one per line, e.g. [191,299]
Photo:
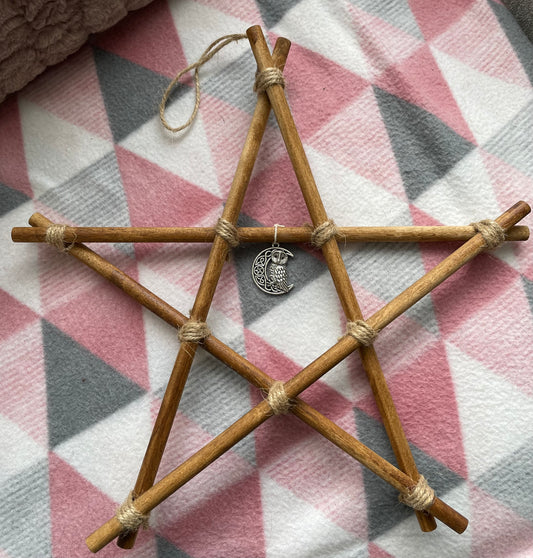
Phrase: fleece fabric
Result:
[411,113]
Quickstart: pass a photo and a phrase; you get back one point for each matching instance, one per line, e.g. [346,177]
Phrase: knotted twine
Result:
[492,233]
[324,232]
[129,516]
[362,332]
[228,231]
[420,497]
[55,235]
[263,80]
[193,332]
[278,400]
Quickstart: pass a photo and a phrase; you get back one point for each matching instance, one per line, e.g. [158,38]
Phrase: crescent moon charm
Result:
[269,270]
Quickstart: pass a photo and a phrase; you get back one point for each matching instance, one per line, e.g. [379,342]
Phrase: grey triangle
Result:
[511,481]
[383,508]
[131,92]
[94,197]
[234,83]
[528,288]
[81,388]
[304,269]
[25,513]
[215,397]
[396,12]
[514,143]
[424,147]
[386,269]
[166,549]
[273,11]
[10,199]
[519,41]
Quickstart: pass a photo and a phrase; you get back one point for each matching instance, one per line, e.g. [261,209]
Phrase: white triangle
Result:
[495,415]
[294,528]
[186,154]
[353,199]
[19,265]
[19,451]
[322,27]
[406,540]
[467,185]
[98,452]
[299,329]
[55,149]
[199,25]
[487,103]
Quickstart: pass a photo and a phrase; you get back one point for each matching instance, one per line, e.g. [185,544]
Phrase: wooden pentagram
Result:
[406,478]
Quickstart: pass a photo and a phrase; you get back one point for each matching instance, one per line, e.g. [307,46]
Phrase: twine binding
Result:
[492,233]
[278,400]
[209,52]
[362,332]
[420,497]
[129,516]
[193,332]
[268,77]
[55,235]
[324,232]
[228,231]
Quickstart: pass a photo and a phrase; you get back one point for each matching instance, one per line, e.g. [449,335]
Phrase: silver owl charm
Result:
[269,270]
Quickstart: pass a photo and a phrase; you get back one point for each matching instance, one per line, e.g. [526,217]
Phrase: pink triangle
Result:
[110,325]
[147,37]
[229,523]
[13,170]
[19,315]
[435,18]
[425,399]
[409,81]
[345,138]
[496,529]
[457,299]
[23,381]
[227,297]
[71,91]
[478,40]
[274,196]
[493,334]
[318,89]
[158,198]
[77,508]
[383,43]
[375,551]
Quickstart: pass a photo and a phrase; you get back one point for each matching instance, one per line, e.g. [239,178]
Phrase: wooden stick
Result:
[215,263]
[338,271]
[259,234]
[246,424]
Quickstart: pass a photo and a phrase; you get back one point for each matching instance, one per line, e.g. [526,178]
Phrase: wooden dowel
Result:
[215,263]
[259,234]
[338,271]
[224,441]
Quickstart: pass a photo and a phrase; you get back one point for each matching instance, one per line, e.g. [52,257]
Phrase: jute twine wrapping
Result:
[268,77]
[420,497]
[361,331]
[228,231]
[324,232]
[193,332]
[55,235]
[278,400]
[492,233]
[129,516]
[209,52]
